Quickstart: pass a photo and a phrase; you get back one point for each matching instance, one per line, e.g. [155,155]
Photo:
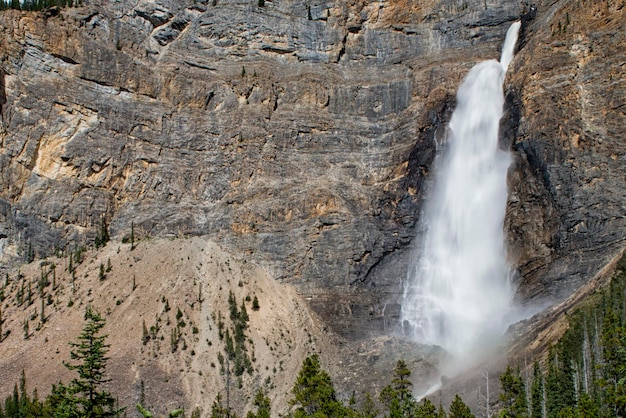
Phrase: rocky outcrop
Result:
[302,133]
[566,212]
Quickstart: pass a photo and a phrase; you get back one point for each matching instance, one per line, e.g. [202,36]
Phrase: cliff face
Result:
[567,205]
[302,133]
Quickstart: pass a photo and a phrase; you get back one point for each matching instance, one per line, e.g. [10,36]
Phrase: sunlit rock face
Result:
[565,214]
[301,134]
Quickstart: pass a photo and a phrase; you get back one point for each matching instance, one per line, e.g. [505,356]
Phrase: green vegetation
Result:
[236,349]
[513,396]
[90,353]
[35,5]
[582,375]
[585,371]
[147,414]
[82,397]
[458,409]
[314,393]
[102,237]
[263,404]
[132,236]
[101,274]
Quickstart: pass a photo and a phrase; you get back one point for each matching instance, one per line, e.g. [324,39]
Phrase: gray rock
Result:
[302,135]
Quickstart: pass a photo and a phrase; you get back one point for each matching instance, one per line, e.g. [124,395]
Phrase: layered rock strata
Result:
[302,134]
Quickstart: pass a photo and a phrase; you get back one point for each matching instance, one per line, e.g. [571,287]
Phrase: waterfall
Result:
[458,292]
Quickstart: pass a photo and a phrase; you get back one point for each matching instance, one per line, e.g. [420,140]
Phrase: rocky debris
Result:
[366,366]
[162,302]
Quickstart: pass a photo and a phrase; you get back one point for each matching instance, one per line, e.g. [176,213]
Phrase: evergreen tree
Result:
[536,392]
[427,409]
[397,396]
[513,394]
[34,408]
[145,337]
[441,413]
[458,409]
[587,407]
[368,407]
[24,399]
[314,393]
[218,410]
[262,402]
[102,237]
[132,236]
[147,414]
[553,397]
[243,314]
[90,353]
[12,404]
[60,403]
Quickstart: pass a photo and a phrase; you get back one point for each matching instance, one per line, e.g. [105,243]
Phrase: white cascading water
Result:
[458,292]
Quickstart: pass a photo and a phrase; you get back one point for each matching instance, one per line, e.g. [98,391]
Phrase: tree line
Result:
[35,5]
[582,375]
[313,393]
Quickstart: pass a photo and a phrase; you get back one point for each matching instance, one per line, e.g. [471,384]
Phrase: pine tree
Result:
[243,314]
[314,393]
[400,382]
[90,353]
[397,396]
[458,409]
[218,410]
[232,304]
[12,404]
[587,407]
[426,409]
[24,399]
[145,337]
[441,413]
[513,394]
[262,402]
[368,407]
[553,398]
[613,369]
[536,392]
[102,237]
[132,236]
[147,414]
[60,403]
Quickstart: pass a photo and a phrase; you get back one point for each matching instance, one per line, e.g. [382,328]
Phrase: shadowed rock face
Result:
[301,134]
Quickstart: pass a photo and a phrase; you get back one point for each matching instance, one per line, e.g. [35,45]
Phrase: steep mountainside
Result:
[568,97]
[163,302]
[301,134]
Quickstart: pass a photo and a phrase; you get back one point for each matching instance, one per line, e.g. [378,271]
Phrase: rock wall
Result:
[301,134]
[566,211]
